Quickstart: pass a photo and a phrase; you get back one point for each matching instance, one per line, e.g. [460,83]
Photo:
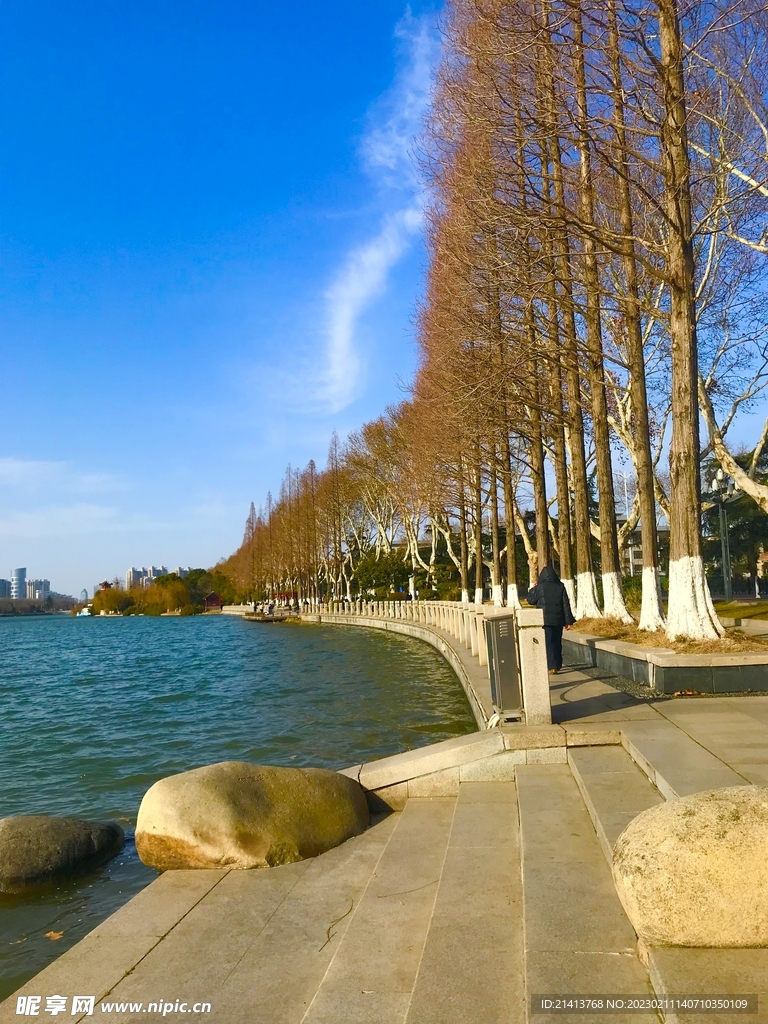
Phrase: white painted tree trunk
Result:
[513,598]
[651,609]
[478,595]
[613,599]
[412,587]
[464,596]
[498,595]
[690,612]
[570,589]
[586,597]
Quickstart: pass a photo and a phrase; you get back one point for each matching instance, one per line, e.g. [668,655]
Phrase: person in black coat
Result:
[550,595]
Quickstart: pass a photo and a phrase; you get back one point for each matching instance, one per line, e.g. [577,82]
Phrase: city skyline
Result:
[19,588]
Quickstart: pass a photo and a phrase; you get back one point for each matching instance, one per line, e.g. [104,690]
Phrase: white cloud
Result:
[31,476]
[397,117]
[386,151]
[63,521]
[362,280]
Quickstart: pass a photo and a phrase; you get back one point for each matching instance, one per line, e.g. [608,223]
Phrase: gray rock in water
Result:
[36,848]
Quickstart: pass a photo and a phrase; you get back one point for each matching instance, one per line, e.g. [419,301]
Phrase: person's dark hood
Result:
[548,575]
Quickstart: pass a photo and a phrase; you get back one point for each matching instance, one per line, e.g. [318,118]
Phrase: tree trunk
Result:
[651,611]
[513,598]
[477,482]
[563,503]
[496,592]
[586,592]
[613,598]
[463,546]
[538,482]
[690,612]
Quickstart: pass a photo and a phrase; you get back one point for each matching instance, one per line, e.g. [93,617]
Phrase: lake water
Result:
[96,710]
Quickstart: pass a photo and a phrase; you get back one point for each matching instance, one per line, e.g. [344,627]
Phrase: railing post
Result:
[534,678]
[473,631]
[482,647]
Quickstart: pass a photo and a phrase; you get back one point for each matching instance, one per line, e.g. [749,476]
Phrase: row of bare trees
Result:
[597,238]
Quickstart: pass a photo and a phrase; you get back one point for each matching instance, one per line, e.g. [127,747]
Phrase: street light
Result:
[722,490]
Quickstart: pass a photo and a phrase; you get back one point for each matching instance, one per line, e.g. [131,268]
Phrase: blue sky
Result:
[211,256]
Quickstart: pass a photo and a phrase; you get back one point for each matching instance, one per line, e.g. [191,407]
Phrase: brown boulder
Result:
[241,815]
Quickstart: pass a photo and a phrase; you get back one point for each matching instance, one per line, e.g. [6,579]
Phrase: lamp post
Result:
[722,489]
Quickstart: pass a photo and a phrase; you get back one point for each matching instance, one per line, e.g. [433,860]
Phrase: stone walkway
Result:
[456,909]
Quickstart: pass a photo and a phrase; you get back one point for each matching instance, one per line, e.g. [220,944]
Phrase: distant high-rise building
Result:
[144,577]
[181,573]
[18,583]
[38,590]
[134,577]
[5,588]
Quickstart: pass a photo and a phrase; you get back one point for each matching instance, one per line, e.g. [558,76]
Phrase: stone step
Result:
[676,764]
[577,937]
[255,946]
[472,968]
[711,972]
[614,790]
[374,969]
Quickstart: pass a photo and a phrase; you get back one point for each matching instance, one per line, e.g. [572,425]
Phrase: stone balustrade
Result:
[465,622]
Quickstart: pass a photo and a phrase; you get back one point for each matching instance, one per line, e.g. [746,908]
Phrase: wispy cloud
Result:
[362,280]
[63,521]
[395,120]
[33,475]
[386,153]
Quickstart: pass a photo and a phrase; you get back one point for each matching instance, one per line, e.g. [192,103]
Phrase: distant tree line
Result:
[168,593]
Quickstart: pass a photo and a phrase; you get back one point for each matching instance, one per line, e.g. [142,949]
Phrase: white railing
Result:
[464,622]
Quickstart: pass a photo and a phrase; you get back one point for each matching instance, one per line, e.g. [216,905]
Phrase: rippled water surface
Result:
[93,711]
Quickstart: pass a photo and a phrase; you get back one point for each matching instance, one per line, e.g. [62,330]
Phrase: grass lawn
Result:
[742,609]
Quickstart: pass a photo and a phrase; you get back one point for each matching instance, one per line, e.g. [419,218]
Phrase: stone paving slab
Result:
[728,972]
[577,697]
[577,937]
[234,948]
[674,762]
[739,740]
[373,971]
[472,966]
[96,964]
[614,790]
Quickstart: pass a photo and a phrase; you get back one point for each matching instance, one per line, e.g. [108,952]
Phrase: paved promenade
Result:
[484,882]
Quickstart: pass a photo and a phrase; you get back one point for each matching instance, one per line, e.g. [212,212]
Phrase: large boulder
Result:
[240,815]
[36,848]
[694,871]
